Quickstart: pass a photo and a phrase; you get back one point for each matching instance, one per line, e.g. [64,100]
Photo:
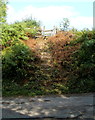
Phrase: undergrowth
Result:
[73,71]
[83,74]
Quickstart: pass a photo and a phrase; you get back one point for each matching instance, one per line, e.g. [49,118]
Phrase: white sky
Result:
[55,0]
[51,15]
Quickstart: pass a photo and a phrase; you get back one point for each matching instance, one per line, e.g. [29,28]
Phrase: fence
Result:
[49,32]
[44,33]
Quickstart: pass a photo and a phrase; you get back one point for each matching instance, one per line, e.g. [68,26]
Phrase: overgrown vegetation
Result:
[3,8]
[72,58]
[19,63]
[83,75]
[75,59]
[12,34]
[73,67]
[31,26]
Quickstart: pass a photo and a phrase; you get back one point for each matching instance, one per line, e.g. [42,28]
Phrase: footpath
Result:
[53,107]
[81,106]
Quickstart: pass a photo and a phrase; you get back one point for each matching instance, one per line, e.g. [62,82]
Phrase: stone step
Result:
[45,53]
[46,58]
[47,63]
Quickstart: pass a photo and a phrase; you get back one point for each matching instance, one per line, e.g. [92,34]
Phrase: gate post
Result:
[43,31]
[54,30]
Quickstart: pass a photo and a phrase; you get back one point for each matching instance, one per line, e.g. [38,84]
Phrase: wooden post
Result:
[43,31]
[55,30]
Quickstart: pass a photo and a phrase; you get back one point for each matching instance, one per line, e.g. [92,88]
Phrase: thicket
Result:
[83,74]
[31,26]
[11,34]
[74,54]
[3,9]
[18,61]
[61,52]
[73,59]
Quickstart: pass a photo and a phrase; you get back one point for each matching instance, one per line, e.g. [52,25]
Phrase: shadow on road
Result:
[49,108]
[7,113]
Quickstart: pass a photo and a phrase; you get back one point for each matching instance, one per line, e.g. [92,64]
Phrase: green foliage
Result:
[14,89]
[87,52]
[65,24]
[22,68]
[31,26]
[83,35]
[83,79]
[74,30]
[17,62]
[30,23]
[12,34]
[31,32]
[3,11]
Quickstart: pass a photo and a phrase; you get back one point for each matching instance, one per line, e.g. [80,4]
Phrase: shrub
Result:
[83,74]
[11,34]
[18,62]
[83,35]
[30,22]
[31,32]
[31,26]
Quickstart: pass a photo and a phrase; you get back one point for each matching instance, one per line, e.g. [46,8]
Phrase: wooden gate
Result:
[49,32]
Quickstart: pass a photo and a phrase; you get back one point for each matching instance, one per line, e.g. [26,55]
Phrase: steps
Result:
[45,56]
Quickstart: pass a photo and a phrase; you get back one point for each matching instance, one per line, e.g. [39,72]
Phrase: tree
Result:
[64,24]
[29,23]
[3,9]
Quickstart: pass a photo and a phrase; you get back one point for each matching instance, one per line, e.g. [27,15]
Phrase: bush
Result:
[30,23]
[83,79]
[83,35]
[18,62]
[11,34]
[31,32]
[31,26]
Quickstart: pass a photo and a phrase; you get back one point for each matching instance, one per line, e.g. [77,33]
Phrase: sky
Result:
[50,13]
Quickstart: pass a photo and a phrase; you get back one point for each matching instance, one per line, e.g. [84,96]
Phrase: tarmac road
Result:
[49,107]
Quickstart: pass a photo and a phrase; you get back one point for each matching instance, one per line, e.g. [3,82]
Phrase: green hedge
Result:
[83,74]
[17,61]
